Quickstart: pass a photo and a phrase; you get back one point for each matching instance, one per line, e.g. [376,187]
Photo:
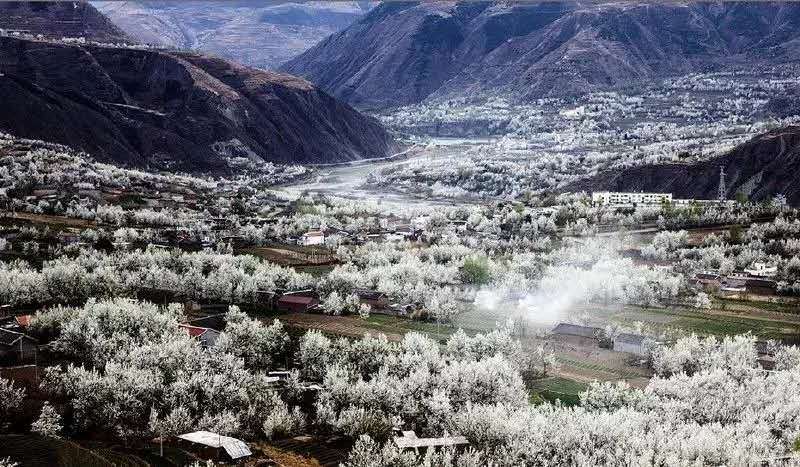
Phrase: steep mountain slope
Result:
[261,33]
[401,53]
[174,110]
[767,165]
[56,20]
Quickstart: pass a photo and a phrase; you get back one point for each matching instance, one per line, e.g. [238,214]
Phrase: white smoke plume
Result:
[579,273]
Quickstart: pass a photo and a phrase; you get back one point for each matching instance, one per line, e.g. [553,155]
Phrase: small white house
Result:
[632,343]
[217,445]
[312,237]
[762,269]
[394,237]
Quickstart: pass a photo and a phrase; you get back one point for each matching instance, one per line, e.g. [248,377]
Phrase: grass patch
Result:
[287,459]
[731,304]
[382,322]
[697,322]
[556,388]
[315,270]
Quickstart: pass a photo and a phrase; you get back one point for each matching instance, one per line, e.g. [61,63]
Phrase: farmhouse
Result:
[373,298]
[631,343]
[762,269]
[216,321]
[707,280]
[577,335]
[16,347]
[761,286]
[765,354]
[409,440]
[733,286]
[296,303]
[312,237]
[217,447]
[206,336]
[23,321]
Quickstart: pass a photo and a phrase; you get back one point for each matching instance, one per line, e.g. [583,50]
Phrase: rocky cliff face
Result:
[767,165]
[402,53]
[262,34]
[174,110]
[56,20]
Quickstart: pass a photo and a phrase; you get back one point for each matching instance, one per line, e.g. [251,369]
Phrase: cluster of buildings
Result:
[588,336]
[637,344]
[757,279]
[388,232]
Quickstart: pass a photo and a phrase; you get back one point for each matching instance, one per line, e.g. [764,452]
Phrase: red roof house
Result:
[207,336]
[23,320]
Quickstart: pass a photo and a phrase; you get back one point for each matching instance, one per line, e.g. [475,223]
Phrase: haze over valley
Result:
[399,233]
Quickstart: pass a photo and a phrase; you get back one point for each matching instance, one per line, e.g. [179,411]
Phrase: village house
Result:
[216,321]
[711,282]
[312,237]
[16,347]
[730,286]
[373,298]
[68,238]
[762,269]
[409,232]
[23,321]
[761,286]
[296,302]
[632,343]
[765,352]
[213,446]
[575,334]
[403,309]
[393,237]
[409,440]
[207,336]
[18,323]
[706,281]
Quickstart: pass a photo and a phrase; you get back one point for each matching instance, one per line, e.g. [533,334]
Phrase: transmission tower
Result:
[721,191]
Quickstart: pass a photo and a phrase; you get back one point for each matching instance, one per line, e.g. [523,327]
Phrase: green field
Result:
[759,305]
[397,324]
[720,323]
[556,388]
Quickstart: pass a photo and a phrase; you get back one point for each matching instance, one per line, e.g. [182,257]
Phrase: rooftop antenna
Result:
[721,191]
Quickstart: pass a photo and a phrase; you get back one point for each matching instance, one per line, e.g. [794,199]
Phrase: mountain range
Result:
[406,52]
[262,34]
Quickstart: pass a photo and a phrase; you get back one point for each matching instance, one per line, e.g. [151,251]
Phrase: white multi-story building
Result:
[620,198]
[312,237]
[762,269]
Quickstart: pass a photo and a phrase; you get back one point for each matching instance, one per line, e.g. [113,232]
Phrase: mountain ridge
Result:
[175,110]
[409,51]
